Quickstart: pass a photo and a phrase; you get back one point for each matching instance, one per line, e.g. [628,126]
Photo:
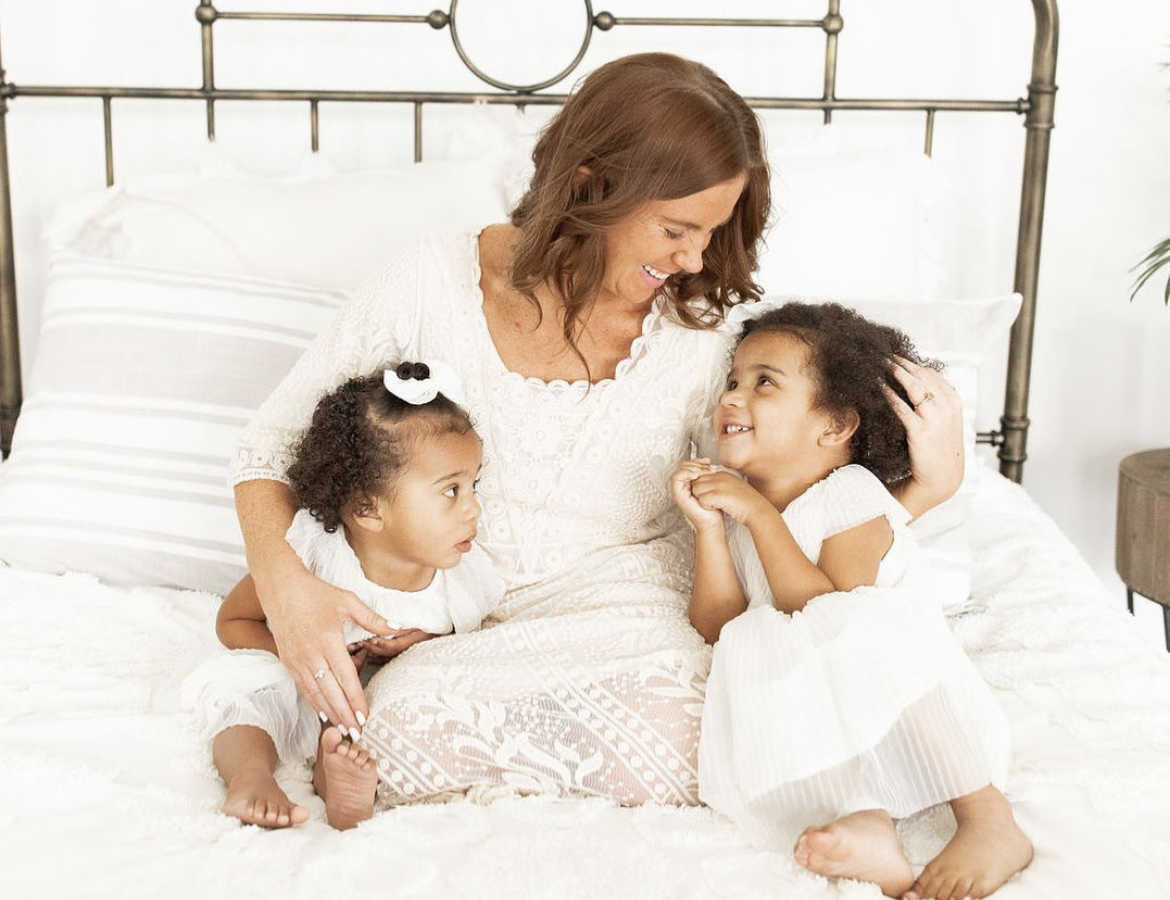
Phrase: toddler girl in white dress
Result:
[837,693]
[385,479]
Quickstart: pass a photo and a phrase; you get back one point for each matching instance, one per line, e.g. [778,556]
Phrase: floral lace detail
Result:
[588,678]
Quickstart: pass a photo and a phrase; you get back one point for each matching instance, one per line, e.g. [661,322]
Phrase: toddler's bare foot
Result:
[345,778]
[863,846]
[987,850]
[255,798]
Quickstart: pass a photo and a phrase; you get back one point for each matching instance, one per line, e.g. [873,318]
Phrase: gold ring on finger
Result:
[926,398]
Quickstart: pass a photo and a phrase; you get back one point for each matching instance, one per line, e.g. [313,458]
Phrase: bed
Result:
[115,489]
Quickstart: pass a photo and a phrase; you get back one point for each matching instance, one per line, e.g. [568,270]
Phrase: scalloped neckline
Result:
[651,318]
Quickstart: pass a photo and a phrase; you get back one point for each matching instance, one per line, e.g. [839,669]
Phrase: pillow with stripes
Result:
[143,379]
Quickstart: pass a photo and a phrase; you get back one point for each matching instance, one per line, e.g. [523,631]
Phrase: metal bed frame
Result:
[1037,109]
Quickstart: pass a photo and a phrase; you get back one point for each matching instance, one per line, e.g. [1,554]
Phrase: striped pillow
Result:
[142,381]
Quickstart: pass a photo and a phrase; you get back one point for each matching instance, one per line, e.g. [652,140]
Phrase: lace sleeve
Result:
[376,325]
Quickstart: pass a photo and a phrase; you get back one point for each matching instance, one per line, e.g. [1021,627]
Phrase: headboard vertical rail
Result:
[1039,123]
[10,387]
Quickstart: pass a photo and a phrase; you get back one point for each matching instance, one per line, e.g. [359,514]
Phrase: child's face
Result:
[430,515]
[766,424]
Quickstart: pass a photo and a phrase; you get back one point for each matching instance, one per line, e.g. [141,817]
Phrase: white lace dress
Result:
[588,678]
[862,700]
[252,687]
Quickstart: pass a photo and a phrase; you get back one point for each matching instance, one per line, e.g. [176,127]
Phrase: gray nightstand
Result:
[1143,528]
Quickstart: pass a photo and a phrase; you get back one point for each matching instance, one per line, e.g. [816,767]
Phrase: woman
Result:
[587,334]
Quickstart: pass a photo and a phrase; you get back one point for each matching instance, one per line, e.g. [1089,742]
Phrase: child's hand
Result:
[383,649]
[359,653]
[727,494]
[680,487]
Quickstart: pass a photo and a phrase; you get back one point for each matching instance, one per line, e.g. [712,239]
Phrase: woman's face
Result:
[663,238]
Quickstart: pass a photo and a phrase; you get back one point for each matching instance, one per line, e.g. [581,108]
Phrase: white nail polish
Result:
[361,717]
[355,734]
[324,718]
[341,728]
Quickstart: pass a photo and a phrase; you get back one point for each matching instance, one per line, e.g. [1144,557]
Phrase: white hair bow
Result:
[421,382]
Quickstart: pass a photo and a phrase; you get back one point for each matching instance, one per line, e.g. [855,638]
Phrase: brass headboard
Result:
[1037,110]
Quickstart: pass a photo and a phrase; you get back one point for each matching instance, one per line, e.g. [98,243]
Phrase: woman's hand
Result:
[934,431]
[680,487]
[729,495]
[305,616]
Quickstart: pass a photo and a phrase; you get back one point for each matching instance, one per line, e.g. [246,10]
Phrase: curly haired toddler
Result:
[385,480]
[837,693]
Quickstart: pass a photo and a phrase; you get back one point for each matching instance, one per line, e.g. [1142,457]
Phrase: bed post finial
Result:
[1039,123]
[10,394]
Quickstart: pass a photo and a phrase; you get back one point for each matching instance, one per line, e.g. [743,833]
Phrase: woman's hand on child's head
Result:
[727,495]
[384,649]
[680,487]
[934,432]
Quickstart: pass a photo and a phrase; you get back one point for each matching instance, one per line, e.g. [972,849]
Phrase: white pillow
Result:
[323,229]
[846,221]
[142,381]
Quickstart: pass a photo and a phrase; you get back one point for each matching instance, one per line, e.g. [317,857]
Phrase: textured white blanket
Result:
[108,795]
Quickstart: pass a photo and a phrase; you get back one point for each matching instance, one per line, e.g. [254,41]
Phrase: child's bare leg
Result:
[345,778]
[246,759]
[863,846]
[987,850]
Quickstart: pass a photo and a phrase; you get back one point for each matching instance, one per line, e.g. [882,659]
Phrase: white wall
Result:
[1101,370]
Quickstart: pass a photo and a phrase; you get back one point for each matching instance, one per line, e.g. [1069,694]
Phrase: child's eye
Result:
[673,235]
[451,492]
[731,384]
[475,485]
[764,379]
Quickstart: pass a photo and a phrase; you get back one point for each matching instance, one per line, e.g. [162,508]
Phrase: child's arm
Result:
[241,623]
[847,560]
[716,596]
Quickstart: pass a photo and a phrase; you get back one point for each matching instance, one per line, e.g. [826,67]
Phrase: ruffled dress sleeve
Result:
[475,588]
[378,324]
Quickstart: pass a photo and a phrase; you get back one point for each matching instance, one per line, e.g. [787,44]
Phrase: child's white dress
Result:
[862,700]
[252,687]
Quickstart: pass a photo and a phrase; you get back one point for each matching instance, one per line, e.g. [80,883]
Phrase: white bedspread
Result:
[108,795]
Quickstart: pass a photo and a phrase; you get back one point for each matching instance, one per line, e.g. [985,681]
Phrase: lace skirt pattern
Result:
[587,684]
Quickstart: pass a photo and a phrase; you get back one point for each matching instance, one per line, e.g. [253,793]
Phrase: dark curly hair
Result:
[851,358]
[359,440]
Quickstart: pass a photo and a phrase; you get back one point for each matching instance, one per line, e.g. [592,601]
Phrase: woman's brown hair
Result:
[651,126]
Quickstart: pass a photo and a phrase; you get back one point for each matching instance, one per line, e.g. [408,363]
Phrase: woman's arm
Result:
[240,622]
[934,431]
[304,613]
[717,597]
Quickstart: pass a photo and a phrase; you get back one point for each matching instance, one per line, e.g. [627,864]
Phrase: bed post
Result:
[1041,100]
[9,334]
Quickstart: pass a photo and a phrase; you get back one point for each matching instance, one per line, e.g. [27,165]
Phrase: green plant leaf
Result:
[1153,261]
